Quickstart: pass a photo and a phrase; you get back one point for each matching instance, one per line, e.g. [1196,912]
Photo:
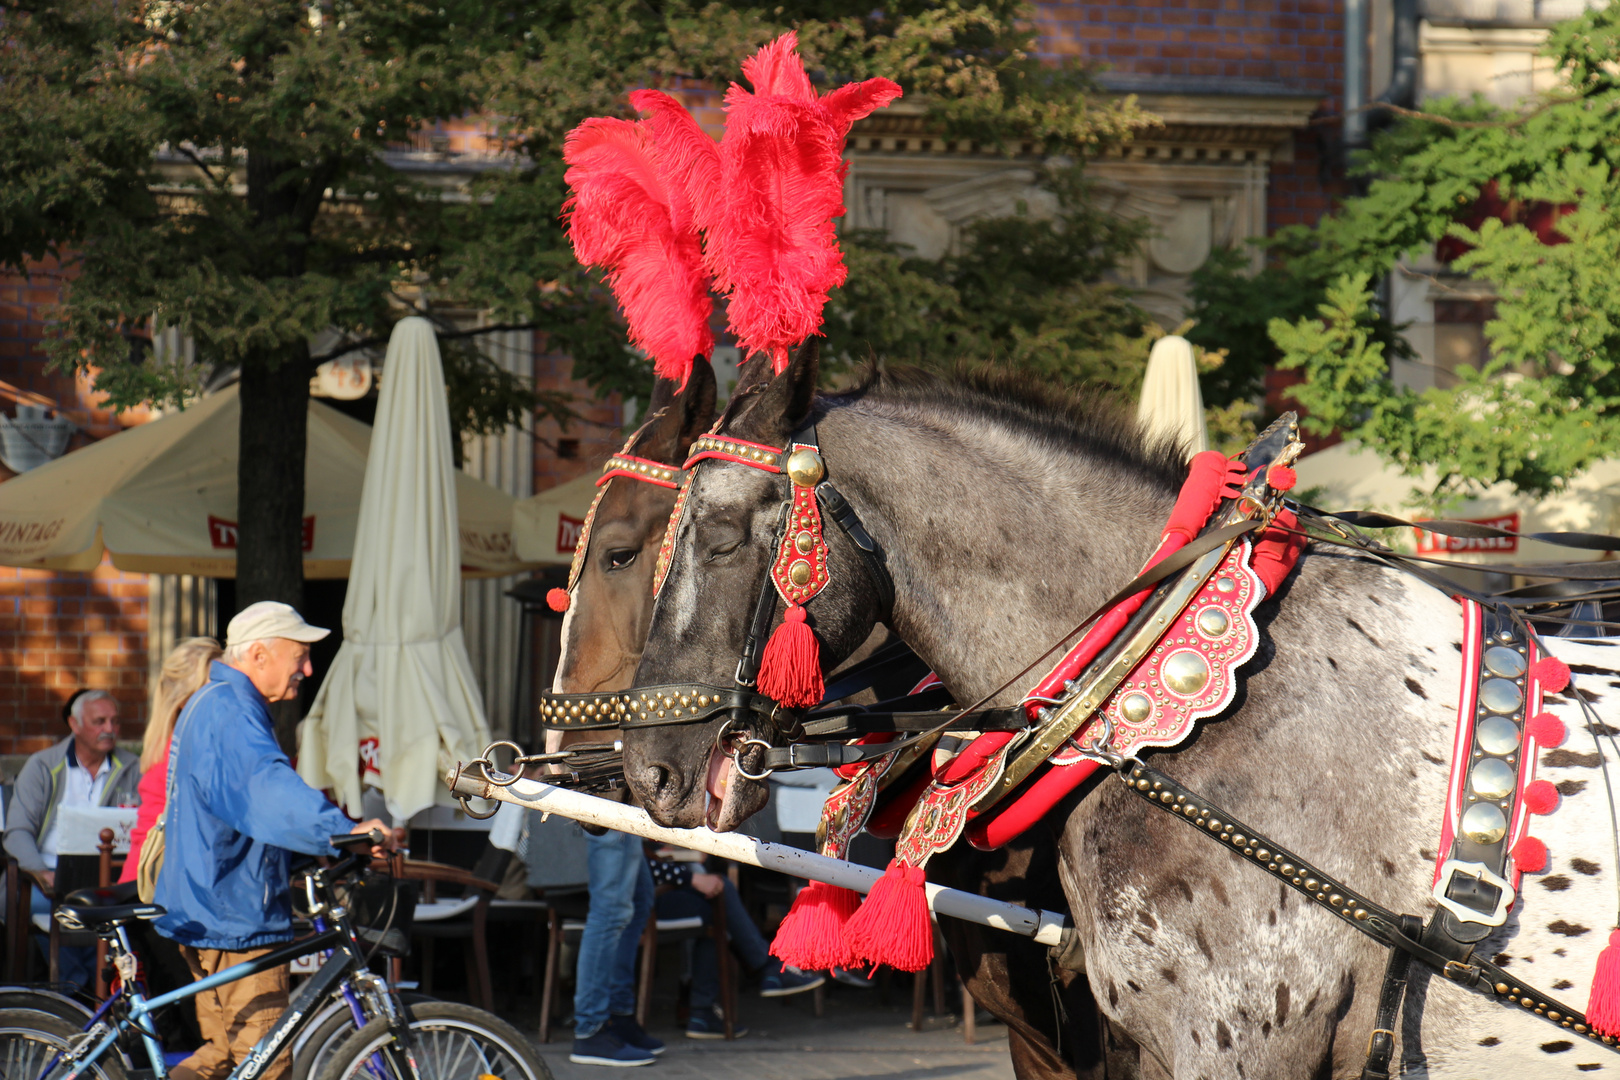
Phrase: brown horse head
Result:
[606,622]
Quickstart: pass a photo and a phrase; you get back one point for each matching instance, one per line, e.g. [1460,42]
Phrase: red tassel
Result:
[557,599]
[1547,729]
[1540,797]
[1530,855]
[1281,477]
[790,670]
[1603,1004]
[811,938]
[893,927]
[1552,673]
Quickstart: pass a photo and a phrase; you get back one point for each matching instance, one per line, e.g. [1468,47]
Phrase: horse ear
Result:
[697,404]
[676,416]
[779,408]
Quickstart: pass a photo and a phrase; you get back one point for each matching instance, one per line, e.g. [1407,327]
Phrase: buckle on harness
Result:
[1480,872]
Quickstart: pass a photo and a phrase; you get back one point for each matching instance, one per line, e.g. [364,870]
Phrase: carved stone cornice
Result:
[1196,127]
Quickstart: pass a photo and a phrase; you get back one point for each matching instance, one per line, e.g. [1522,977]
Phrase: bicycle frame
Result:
[320,986]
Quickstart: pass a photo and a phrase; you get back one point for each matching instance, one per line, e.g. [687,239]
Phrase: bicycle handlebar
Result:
[374,838]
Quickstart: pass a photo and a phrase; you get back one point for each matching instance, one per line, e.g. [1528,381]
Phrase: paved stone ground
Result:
[857,1038]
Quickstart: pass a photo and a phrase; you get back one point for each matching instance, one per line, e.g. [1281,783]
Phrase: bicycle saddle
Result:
[103,909]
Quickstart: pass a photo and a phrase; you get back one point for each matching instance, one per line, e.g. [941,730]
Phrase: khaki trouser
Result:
[235,1016]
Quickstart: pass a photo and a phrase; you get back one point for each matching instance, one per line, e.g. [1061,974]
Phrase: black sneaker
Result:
[710,1023]
[633,1034]
[786,980]
[606,1048]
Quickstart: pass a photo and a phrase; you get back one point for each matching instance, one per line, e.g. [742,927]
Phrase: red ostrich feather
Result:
[624,218]
[770,241]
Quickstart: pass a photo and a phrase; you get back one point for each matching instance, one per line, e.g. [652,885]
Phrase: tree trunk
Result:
[270,478]
[270,493]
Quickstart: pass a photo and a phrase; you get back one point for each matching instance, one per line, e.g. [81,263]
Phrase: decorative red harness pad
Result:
[1187,676]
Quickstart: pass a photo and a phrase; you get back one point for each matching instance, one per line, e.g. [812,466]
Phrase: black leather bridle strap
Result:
[835,506]
[688,703]
[1337,899]
[759,630]
[1381,1045]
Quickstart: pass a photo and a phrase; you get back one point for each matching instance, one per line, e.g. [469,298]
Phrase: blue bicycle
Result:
[390,1040]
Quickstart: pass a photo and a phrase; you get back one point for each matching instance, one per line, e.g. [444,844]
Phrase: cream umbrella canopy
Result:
[1171,403]
[545,527]
[400,703]
[161,498]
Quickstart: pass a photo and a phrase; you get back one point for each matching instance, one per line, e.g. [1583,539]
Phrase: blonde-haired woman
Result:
[185,671]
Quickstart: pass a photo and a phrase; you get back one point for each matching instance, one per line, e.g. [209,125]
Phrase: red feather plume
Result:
[625,218]
[771,245]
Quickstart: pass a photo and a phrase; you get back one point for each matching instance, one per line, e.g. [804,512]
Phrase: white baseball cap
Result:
[270,619]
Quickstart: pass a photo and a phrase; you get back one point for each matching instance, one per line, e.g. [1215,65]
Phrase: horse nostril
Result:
[663,781]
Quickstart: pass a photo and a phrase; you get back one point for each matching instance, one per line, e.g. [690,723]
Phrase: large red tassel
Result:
[790,670]
[1603,1005]
[893,927]
[811,938]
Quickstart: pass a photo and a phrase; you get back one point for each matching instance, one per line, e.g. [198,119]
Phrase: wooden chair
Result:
[463,917]
[19,892]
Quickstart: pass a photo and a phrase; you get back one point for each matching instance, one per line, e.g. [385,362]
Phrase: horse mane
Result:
[1084,420]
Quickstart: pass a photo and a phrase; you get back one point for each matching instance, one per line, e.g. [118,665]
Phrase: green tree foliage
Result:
[1543,404]
[233,168]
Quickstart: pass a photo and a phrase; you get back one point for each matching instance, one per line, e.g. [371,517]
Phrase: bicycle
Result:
[392,1040]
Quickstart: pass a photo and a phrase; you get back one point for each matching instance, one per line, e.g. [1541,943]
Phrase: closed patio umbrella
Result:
[161,498]
[400,703]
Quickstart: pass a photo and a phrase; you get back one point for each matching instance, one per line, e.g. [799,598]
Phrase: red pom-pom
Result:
[1281,477]
[790,669]
[1540,797]
[557,599]
[1546,729]
[1552,673]
[811,937]
[893,927]
[1603,1004]
[1530,855]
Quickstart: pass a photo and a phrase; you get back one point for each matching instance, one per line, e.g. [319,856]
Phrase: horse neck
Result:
[998,541]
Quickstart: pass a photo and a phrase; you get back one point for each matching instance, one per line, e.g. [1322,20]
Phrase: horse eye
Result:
[725,548]
[623,557]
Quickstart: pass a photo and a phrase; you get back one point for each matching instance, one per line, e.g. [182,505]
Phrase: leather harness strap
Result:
[1454,960]
[1381,1044]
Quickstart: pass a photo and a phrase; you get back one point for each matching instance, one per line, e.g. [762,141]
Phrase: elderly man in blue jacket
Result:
[235,810]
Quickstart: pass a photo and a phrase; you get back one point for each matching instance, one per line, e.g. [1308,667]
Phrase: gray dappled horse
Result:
[1006,511]
[602,635]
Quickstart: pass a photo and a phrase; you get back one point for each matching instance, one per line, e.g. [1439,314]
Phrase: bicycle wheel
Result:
[29,1040]
[313,1050]
[453,1042]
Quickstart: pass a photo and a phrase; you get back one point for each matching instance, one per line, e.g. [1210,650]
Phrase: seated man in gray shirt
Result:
[84,769]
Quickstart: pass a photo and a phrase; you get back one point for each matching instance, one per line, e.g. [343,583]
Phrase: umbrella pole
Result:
[1046,927]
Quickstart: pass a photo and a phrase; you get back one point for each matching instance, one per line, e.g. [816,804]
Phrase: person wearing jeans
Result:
[621,891]
[690,893]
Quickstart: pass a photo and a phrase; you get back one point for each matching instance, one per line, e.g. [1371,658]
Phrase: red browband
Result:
[743,452]
[643,469]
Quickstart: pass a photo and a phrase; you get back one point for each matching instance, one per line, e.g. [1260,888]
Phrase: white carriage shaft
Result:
[1045,927]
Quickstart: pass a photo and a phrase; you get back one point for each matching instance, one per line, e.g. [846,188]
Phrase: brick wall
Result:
[1294,42]
[588,441]
[60,632]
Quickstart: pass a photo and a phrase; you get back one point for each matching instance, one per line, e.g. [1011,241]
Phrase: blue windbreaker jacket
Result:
[237,810]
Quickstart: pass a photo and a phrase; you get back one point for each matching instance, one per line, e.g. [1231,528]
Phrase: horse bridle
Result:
[585,712]
[798,556]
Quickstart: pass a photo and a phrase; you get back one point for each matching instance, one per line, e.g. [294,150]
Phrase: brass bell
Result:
[805,468]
